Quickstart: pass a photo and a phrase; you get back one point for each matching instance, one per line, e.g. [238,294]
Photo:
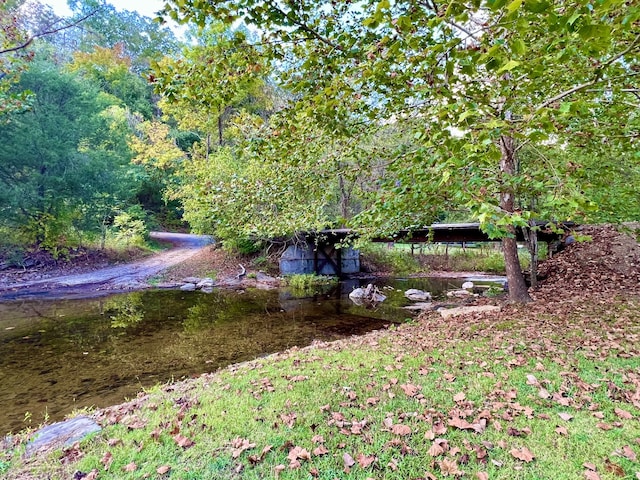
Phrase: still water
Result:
[58,356]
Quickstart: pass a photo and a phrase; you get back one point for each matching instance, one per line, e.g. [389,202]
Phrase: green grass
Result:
[352,393]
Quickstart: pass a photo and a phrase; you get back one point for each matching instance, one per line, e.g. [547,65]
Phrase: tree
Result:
[64,163]
[143,39]
[479,80]
[109,68]
[212,81]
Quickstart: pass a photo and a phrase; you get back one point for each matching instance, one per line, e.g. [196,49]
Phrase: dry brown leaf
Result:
[112,442]
[400,429]
[544,393]
[523,454]
[435,449]
[130,467]
[298,453]
[604,426]
[106,460]
[317,439]
[429,435]
[278,469]
[449,467]
[320,450]
[459,397]
[482,475]
[461,423]
[591,475]
[623,414]
[183,441]
[365,460]
[628,452]
[348,460]
[163,469]
[589,466]
[92,475]
[410,390]
[532,380]
[565,416]
[613,468]
[562,431]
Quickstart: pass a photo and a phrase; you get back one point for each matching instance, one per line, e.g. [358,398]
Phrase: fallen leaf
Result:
[435,449]
[565,416]
[544,393]
[298,453]
[348,460]
[317,439]
[106,460]
[623,414]
[532,380]
[449,467]
[613,468]
[364,460]
[604,426]
[589,466]
[130,467]
[629,453]
[482,475]
[240,445]
[459,397]
[112,442]
[400,429]
[460,423]
[562,431]
[591,475]
[163,469]
[278,469]
[183,441]
[523,454]
[321,450]
[410,390]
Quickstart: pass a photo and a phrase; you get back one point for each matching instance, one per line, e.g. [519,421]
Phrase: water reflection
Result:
[57,356]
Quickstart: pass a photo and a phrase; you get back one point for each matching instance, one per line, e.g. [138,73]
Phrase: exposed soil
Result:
[93,275]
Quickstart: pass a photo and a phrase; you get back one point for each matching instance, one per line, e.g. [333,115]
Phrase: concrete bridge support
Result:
[319,259]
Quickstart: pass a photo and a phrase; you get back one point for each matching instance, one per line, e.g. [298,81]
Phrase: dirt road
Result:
[130,276]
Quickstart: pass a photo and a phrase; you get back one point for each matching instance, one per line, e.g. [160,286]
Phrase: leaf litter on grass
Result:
[556,394]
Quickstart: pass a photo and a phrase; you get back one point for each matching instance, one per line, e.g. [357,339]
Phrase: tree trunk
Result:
[518,291]
[220,130]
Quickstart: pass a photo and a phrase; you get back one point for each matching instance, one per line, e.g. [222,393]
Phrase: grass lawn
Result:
[549,390]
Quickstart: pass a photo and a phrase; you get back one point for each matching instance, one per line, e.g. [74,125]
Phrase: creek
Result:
[63,355]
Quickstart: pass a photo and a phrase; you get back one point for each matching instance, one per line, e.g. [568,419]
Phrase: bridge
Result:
[324,253]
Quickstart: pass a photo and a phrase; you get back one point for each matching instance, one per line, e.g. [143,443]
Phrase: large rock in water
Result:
[360,296]
[416,295]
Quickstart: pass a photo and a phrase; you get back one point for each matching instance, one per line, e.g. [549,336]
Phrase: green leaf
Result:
[507,67]
[518,47]
[514,5]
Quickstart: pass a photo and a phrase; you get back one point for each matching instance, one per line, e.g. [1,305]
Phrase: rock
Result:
[61,434]
[420,306]
[467,286]
[205,282]
[206,289]
[417,295]
[357,293]
[459,293]
[194,280]
[456,312]
[264,278]
[188,287]
[370,294]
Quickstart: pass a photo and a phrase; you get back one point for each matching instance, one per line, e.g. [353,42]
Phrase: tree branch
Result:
[597,77]
[47,32]
[304,27]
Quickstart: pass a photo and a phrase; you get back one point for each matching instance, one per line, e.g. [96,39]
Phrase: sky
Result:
[144,7]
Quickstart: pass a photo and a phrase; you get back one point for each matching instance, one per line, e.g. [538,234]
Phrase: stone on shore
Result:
[458,311]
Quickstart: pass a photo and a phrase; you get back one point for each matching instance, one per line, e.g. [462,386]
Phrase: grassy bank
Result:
[550,390]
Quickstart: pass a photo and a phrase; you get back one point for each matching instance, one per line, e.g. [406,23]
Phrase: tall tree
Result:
[483,78]
[62,160]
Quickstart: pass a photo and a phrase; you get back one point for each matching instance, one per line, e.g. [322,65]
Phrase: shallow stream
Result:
[59,356]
